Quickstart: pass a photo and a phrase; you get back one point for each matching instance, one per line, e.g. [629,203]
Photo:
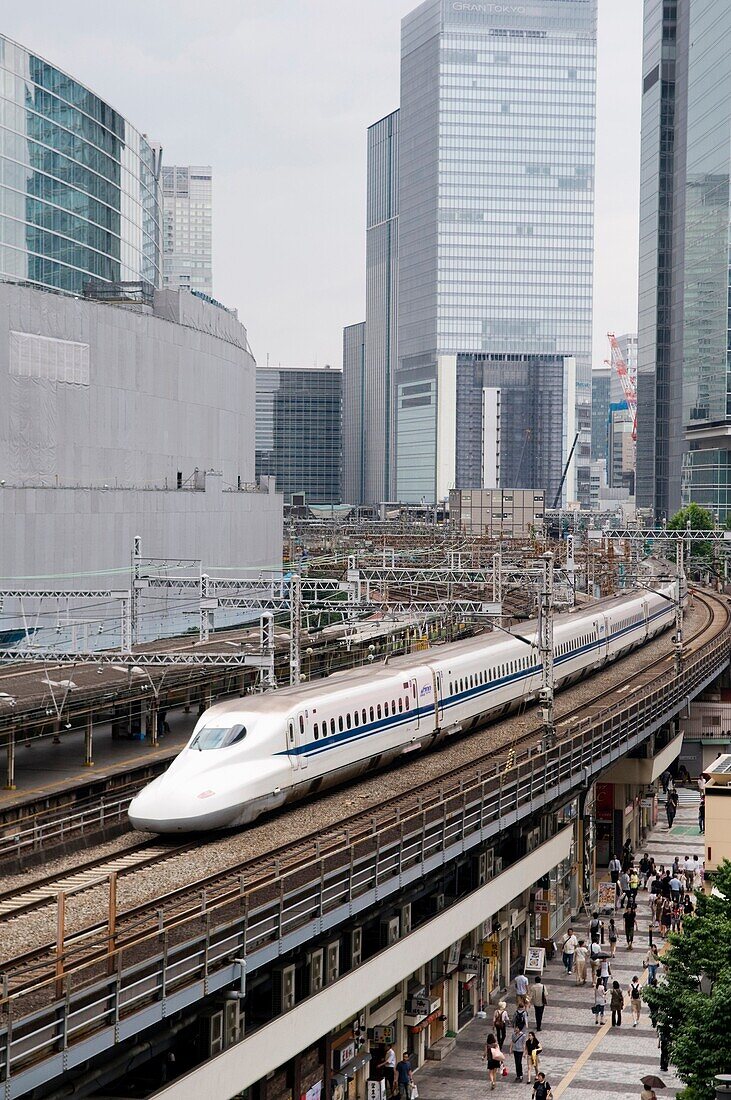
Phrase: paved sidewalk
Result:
[579,1058]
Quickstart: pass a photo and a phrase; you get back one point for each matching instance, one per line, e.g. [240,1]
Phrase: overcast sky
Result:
[277,97]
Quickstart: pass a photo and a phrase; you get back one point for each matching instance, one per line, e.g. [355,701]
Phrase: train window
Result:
[385,708]
[216,737]
[372,715]
[393,706]
[407,704]
[316,731]
[340,722]
[364,716]
[347,720]
[302,724]
[332,725]
[378,710]
[356,718]
[400,705]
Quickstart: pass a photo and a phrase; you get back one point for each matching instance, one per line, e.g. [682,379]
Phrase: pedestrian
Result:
[521,990]
[388,1065]
[612,937]
[533,1049]
[702,814]
[615,866]
[664,916]
[500,1021]
[652,961]
[596,928]
[494,1057]
[542,1089]
[623,888]
[570,944]
[665,885]
[616,1003]
[652,898]
[595,957]
[581,954]
[605,971]
[670,812]
[645,868]
[627,856]
[635,999]
[517,1049]
[688,909]
[539,997]
[634,885]
[600,1001]
[665,780]
[630,922]
[675,888]
[404,1077]
[676,918]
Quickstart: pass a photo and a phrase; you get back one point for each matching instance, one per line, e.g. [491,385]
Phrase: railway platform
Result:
[45,769]
[580,1060]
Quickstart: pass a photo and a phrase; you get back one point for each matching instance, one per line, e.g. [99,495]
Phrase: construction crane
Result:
[628,387]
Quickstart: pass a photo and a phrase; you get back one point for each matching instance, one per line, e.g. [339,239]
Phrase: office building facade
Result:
[187,197]
[298,431]
[354,402]
[601,382]
[381,306]
[495,237]
[79,186]
[684,382]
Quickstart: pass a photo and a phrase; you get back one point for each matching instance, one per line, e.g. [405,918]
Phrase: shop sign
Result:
[344,1055]
[541,907]
[628,809]
[453,959]
[535,959]
[314,1092]
[376,1090]
[607,895]
[490,949]
[604,801]
[384,1034]
[420,1005]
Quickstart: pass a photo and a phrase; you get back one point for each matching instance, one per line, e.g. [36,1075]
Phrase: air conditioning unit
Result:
[498,865]
[211,1025]
[232,1022]
[532,840]
[356,947]
[439,902]
[389,931]
[333,961]
[283,995]
[406,919]
[315,966]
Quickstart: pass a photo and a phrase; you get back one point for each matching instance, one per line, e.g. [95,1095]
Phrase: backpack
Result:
[520,1019]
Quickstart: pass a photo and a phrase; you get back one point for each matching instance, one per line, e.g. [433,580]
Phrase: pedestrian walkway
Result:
[579,1058]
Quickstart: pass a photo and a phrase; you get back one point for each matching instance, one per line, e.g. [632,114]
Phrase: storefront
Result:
[349,1061]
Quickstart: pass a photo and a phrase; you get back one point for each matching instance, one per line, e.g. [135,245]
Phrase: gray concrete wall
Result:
[161,393]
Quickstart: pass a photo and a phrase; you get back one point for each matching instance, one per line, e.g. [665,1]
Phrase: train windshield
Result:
[218,737]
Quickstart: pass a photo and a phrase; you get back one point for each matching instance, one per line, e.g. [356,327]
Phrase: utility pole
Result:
[295,609]
[135,590]
[545,645]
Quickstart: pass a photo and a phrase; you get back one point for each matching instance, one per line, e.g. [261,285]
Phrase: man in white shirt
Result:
[521,990]
[570,943]
[615,866]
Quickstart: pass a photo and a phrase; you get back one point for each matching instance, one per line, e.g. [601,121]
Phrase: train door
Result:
[438,697]
[414,701]
[296,741]
[601,632]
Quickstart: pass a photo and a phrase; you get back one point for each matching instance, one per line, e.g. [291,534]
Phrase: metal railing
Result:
[160,967]
[19,840]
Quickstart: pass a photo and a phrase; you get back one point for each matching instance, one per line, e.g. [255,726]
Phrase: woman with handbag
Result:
[533,1049]
[600,1001]
[494,1058]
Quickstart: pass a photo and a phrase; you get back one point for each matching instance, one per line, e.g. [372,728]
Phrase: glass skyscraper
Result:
[354,404]
[298,431]
[187,227]
[684,368]
[79,191]
[496,207]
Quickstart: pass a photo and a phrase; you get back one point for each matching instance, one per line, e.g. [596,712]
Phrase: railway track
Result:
[175,908]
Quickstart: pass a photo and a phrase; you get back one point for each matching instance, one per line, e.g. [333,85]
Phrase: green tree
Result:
[696,1023]
[693,516]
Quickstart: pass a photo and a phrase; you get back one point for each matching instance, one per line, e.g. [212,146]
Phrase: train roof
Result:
[397,667]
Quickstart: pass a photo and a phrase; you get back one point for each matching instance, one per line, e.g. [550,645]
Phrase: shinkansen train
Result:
[254,754]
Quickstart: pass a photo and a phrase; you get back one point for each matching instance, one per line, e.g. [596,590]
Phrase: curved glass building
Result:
[79,187]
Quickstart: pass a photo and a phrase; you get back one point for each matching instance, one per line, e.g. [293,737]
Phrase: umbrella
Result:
[652,1082]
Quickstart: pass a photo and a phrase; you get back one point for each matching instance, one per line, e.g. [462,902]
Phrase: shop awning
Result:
[351,1068]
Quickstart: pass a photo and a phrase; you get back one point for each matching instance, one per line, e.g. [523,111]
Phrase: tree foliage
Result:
[697,1024]
[693,516]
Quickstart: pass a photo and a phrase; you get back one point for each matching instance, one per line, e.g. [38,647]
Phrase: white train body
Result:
[251,755]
